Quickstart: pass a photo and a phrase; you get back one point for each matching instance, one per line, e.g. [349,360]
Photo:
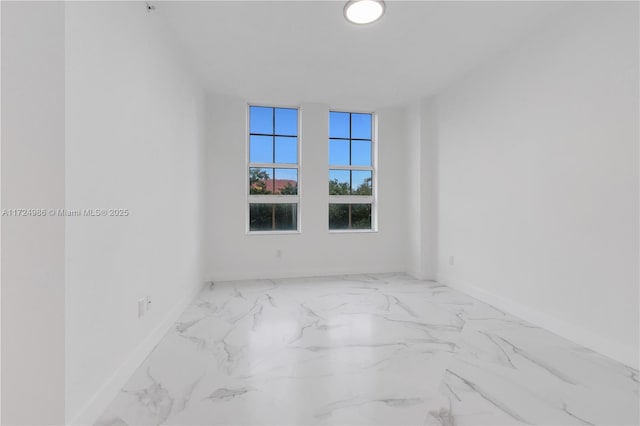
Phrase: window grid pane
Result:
[261,120]
[339,125]
[339,182]
[286,121]
[285,181]
[350,216]
[361,182]
[286,149]
[360,126]
[361,152]
[273,217]
[339,154]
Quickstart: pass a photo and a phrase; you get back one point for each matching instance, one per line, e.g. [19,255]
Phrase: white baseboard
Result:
[627,355]
[92,410]
[290,272]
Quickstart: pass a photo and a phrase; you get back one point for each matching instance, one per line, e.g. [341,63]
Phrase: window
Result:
[351,171]
[273,169]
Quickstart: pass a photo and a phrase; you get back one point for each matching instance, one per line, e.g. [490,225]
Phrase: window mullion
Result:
[273,199]
[357,168]
[273,165]
[351,199]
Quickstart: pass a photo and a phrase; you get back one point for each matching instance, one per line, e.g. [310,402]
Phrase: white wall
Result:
[134,118]
[538,179]
[232,254]
[32,163]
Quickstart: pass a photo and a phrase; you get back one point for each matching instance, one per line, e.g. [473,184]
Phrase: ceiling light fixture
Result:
[363,11]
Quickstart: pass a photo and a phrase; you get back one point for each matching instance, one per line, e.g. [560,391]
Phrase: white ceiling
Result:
[289,52]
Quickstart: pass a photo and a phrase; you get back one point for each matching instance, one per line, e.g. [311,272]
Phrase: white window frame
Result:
[271,199]
[359,199]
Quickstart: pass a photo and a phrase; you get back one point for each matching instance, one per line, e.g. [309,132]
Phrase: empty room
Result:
[354,212]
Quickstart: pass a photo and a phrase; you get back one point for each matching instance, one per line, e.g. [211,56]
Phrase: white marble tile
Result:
[366,349]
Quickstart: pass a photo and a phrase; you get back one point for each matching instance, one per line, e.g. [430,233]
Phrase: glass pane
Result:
[361,182]
[261,217]
[360,153]
[273,217]
[286,181]
[260,181]
[361,126]
[338,216]
[286,217]
[339,125]
[261,120]
[338,152]
[286,121]
[261,149]
[286,150]
[361,216]
[339,182]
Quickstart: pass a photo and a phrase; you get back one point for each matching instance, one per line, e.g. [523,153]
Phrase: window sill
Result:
[252,233]
[353,231]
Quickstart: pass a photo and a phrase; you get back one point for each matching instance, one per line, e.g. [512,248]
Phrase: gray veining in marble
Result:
[367,350]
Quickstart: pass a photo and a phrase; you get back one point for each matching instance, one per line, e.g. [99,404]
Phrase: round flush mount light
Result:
[363,11]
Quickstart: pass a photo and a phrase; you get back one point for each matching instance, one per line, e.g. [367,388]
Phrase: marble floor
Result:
[367,350]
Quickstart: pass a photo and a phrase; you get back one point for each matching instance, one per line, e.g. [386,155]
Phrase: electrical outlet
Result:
[144,305]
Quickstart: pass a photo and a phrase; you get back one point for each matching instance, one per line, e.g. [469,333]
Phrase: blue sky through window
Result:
[338,124]
[286,149]
[360,153]
[260,149]
[344,127]
[286,121]
[287,174]
[273,135]
[342,176]
[283,148]
[361,126]
[339,152]
[261,120]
